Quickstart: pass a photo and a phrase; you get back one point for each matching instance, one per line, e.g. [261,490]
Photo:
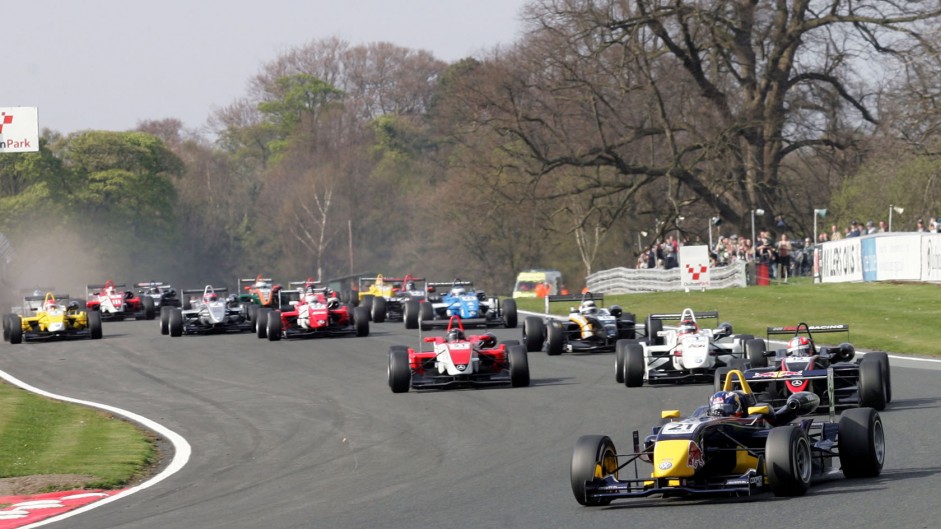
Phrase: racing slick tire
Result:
[554,340]
[16,329]
[361,320]
[534,333]
[627,332]
[399,371]
[6,327]
[261,322]
[652,327]
[510,316]
[620,351]
[366,301]
[861,442]
[165,320]
[426,313]
[788,461]
[872,387]
[411,313]
[634,365]
[755,352]
[175,322]
[519,365]
[594,455]
[150,310]
[272,325]
[742,339]
[246,310]
[378,310]
[94,324]
[883,358]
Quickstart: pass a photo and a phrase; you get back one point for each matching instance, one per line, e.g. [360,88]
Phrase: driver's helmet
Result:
[688,327]
[588,307]
[798,346]
[488,340]
[458,291]
[260,284]
[333,302]
[211,296]
[726,404]
[310,296]
[455,335]
[410,286]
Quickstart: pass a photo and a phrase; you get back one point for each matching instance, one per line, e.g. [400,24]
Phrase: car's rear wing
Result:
[220,290]
[294,285]
[252,281]
[450,284]
[34,302]
[101,286]
[708,314]
[794,329]
[558,298]
[151,284]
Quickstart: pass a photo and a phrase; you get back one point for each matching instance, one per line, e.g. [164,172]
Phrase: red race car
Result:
[308,312]
[457,360]
[115,303]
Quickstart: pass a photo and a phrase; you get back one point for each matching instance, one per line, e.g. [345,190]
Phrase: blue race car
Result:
[460,299]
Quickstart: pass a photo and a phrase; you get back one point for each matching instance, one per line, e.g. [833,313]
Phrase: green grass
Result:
[899,318]
[44,436]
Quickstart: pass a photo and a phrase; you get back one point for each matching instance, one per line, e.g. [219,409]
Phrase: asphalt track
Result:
[299,434]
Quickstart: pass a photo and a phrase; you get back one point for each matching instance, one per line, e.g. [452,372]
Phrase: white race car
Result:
[206,311]
[686,353]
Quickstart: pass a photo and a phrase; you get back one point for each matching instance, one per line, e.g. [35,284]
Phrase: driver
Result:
[799,346]
[726,404]
[588,307]
[458,291]
[455,335]
[688,327]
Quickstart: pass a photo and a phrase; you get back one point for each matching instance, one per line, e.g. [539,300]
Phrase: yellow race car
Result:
[53,320]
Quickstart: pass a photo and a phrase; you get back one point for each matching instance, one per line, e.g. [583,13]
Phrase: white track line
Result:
[181,448]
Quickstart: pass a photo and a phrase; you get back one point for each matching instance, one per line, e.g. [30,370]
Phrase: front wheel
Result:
[361,320]
[165,320]
[175,322]
[533,333]
[861,441]
[620,352]
[261,321]
[519,365]
[788,462]
[510,317]
[872,391]
[16,329]
[378,309]
[411,313]
[150,309]
[755,352]
[399,371]
[883,359]
[554,340]
[635,365]
[273,325]
[594,457]
[94,324]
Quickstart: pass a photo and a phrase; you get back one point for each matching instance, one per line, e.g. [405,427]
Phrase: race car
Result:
[52,318]
[257,293]
[735,446]
[206,311]
[115,304]
[686,353]
[309,312]
[802,366]
[162,294]
[387,298]
[589,328]
[458,360]
[460,299]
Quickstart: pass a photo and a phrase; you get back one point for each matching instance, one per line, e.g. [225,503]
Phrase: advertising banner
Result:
[694,266]
[19,129]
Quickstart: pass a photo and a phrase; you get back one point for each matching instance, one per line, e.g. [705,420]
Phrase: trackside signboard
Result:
[694,266]
[19,129]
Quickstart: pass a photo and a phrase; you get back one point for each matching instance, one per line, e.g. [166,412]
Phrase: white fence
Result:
[637,280]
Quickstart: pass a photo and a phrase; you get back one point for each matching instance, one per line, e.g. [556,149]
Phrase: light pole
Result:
[714,221]
[818,213]
[754,242]
[640,247]
[895,209]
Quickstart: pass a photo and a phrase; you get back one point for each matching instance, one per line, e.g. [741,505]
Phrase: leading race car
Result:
[734,446]
[114,303]
[802,366]
[257,293]
[52,319]
[589,328]
[458,360]
[687,353]
[309,312]
[206,311]
[459,298]
[387,298]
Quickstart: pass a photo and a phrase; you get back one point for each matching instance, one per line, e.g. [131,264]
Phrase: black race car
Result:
[589,328]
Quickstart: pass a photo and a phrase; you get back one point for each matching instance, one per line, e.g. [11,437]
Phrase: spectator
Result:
[871,228]
[855,229]
[823,237]
[765,253]
[835,234]
[920,226]
[883,227]
[783,248]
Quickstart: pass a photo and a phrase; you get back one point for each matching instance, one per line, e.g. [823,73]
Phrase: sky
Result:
[109,64]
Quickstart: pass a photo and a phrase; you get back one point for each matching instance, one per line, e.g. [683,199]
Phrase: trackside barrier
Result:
[636,280]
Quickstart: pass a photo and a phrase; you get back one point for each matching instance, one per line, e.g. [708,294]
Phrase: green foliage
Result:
[300,95]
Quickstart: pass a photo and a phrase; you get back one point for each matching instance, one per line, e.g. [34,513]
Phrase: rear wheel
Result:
[361,320]
[273,325]
[533,333]
[261,321]
[519,365]
[755,352]
[634,365]
[175,322]
[627,328]
[788,461]
[366,302]
[594,457]
[510,316]
[620,351]
[426,313]
[872,391]
[165,320]
[150,310]
[554,340]
[411,313]
[399,371]
[94,324]
[378,309]
[653,327]
[883,359]
[861,442]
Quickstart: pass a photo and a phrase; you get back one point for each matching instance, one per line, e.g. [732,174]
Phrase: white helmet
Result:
[588,307]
